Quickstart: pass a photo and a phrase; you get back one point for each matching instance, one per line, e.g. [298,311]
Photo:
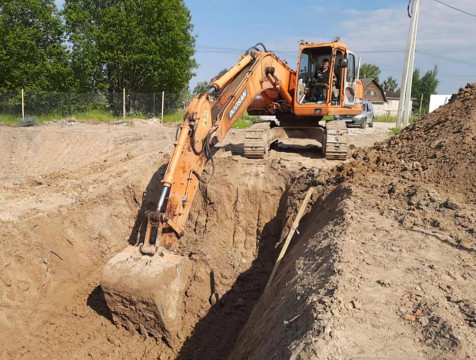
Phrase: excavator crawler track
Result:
[255,146]
[336,140]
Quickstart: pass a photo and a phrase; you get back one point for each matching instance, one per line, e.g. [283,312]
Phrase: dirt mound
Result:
[440,149]
[357,284]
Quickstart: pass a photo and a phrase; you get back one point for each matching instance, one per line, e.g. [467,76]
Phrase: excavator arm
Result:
[207,120]
[144,287]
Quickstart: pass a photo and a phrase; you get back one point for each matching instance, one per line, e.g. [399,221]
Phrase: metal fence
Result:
[41,106]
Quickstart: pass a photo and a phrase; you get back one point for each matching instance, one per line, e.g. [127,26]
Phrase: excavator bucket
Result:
[145,293]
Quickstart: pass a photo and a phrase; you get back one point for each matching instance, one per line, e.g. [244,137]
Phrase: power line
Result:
[442,57]
[455,8]
[215,49]
[378,51]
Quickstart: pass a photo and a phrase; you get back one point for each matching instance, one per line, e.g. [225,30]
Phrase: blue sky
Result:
[226,28]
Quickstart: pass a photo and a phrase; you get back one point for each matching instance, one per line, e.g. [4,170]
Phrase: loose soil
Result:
[382,267]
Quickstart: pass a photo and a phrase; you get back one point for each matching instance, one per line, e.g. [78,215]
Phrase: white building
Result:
[384,103]
[438,100]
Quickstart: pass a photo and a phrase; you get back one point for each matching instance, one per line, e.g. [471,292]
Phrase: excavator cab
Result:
[332,94]
[324,84]
[314,76]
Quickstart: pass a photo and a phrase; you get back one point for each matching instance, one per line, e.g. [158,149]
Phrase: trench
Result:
[236,230]
[235,226]
[233,239]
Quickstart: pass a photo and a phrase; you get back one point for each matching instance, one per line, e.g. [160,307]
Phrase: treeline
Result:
[144,46]
[425,85]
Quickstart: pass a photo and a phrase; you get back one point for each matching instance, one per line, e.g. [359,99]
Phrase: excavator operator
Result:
[320,82]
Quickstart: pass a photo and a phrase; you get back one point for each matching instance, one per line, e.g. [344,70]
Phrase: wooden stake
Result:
[293,229]
[421,105]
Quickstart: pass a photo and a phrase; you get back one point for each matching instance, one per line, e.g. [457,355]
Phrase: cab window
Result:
[351,69]
[304,67]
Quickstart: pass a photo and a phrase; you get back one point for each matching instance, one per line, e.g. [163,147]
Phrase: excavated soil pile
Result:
[384,267]
[438,150]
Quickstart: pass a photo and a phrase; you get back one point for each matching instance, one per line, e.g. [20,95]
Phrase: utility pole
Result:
[407,79]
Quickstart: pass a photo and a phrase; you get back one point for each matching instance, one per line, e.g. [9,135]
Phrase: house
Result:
[393,101]
[374,93]
[384,103]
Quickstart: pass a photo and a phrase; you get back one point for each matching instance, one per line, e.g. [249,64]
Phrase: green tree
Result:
[143,46]
[32,53]
[390,84]
[425,85]
[201,87]
[370,71]
[204,86]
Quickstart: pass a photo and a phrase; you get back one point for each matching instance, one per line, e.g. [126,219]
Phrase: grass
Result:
[97,116]
[9,119]
[245,121]
[395,131]
[393,119]
[50,117]
[386,119]
[242,124]
[174,117]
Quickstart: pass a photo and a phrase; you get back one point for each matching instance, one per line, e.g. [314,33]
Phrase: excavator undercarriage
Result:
[144,284]
[333,139]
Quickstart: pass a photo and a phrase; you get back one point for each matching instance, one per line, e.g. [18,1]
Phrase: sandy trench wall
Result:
[285,311]
[234,229]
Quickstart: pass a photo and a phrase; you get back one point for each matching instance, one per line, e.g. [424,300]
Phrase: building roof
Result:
[392,95]
[367,82]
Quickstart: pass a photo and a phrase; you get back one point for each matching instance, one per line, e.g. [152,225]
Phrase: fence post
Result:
[163,92]
[421,106]
[153,111]
[124,103]
[23,104]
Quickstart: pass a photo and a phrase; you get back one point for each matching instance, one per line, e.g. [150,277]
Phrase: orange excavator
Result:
[144,284]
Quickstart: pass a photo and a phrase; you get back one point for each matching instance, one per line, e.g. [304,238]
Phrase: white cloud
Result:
[445,38]
[351,12]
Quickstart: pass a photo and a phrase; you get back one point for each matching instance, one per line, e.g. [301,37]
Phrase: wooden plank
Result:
[295,225]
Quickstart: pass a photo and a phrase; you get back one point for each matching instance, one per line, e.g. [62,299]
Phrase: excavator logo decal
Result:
[237,105]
